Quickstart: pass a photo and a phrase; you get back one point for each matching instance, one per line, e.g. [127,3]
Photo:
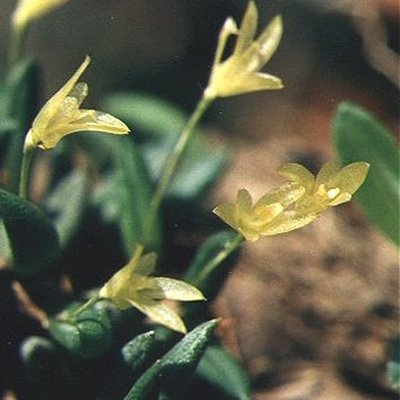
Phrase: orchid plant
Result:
[101,323]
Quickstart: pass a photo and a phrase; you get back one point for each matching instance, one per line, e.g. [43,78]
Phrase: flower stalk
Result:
[228,249]
[27,156]
[171,165]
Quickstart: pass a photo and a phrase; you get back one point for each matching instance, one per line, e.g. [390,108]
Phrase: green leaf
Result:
[137,350]
[358,136]
[32,237]
[87,335]
[125,196]
[393,366]
[48,374]
[146,114]
[173,371]
[67,204]
[20,104]
[158,124]
[222,370]
[200,168]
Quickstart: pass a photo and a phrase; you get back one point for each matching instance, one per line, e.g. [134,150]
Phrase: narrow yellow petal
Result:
[243,201]
[352,176]
[54,104]
[79,92]
[247,29]
[298,174]
[284,195]
[269,39]
[288,221]
[161,314]
[326,174]
[226,212]
[252,83]
[92,120]
[174,289]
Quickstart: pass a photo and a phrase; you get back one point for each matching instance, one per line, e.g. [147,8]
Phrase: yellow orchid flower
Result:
[239,73]
[268,216]
[132,286]
[31,10]
[332,185]
[61,116]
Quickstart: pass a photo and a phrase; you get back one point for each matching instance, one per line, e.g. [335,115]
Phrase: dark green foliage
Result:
[394,364]
[171,373]
[124,196]
[67,203]
[45,368]
[358,136]
[137,351]
[222,370]
[87,334]
[17,109]
[157,125]
[32,237]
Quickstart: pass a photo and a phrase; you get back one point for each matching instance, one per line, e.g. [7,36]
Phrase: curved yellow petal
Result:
[288,221]
[269,39]
[284,195]
[326,175]
[297,174]
[244,201]
[226,212]
[54,104]
[352,176]
[175,289]
[247,29]
[161,314]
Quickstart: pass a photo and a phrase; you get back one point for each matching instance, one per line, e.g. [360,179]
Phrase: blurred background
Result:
[311,314]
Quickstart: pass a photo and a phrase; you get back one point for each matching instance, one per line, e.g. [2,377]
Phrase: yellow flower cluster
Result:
[295,204]
[239,73]
[61,115]
[132,286]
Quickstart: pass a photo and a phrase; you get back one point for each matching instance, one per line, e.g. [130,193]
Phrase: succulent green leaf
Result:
[88,335]
[138,350]
[124,197]
[67,203]
[199,168]
[19,106]
[148,115]
[46,370]
[393,366]
[358,136]
[172,372]
[222,370]
[32,237]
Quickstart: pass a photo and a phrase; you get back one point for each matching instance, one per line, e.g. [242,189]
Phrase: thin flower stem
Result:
[86,305]
[17,41]
[171,165]
[228,249]
[25,168]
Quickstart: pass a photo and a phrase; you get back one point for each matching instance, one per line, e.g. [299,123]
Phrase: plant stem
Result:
[86,305]
[171,165]
[25,167]
[17,41]
[214,262]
